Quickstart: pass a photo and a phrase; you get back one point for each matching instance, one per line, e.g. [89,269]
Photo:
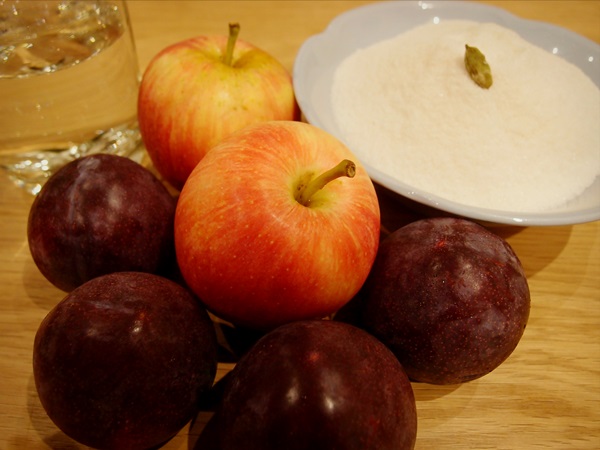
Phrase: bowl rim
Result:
[310,50]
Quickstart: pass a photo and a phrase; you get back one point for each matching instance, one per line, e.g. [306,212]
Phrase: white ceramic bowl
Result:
[321,54]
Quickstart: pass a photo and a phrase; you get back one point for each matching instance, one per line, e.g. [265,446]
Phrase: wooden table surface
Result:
[546,395]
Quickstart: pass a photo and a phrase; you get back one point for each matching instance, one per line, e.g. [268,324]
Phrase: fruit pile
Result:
[274,231]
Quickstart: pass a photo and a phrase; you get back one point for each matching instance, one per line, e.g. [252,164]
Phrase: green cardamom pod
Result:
[477,67]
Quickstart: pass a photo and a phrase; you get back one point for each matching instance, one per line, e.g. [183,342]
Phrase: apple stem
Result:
[344,169]
[234,31]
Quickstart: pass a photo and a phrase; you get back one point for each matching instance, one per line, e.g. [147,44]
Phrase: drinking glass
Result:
[69,82]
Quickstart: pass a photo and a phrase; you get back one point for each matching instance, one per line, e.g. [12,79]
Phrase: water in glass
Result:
[68,83]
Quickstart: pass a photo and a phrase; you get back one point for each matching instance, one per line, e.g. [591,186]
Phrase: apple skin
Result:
[101,214]
[256,256]
[317,385]
[190,100]
[122,361]
[448,297]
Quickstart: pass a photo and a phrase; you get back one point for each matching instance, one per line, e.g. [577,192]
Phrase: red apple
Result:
[198,91]
[260,242]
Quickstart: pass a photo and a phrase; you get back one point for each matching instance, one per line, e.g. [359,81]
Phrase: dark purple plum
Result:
[314,385]
[123,360]
[101,214]
[448,297]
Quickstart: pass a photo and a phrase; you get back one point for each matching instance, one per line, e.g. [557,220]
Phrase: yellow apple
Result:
[198,91]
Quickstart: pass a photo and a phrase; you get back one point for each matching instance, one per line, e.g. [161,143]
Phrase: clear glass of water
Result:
[69,82]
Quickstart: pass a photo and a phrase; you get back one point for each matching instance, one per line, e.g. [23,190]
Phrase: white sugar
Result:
[408,107]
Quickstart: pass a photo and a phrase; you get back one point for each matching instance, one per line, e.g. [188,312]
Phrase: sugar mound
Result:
[531,142]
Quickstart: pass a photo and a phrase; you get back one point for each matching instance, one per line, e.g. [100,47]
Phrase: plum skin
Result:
[448,297]
[122,361]
[317,384]
[100,214]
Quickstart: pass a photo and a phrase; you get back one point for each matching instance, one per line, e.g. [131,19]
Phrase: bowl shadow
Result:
[398,211]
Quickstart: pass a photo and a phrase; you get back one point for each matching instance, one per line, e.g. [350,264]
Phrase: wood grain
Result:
[545,396]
